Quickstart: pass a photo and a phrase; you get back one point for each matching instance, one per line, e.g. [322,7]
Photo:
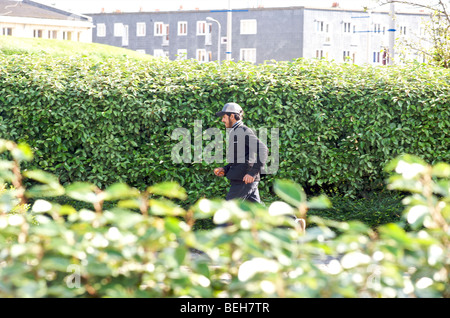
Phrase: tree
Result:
[433,43]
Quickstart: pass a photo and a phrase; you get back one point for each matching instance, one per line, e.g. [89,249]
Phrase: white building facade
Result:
[30,19]
[359,37]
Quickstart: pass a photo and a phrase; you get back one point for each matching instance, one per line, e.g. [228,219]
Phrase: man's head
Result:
[231,113]
[229,119]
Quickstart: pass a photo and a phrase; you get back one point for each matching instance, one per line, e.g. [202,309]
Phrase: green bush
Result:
[117,252]
[110,120]
[375,209]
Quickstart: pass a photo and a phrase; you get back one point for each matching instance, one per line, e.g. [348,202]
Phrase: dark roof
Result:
[31,9]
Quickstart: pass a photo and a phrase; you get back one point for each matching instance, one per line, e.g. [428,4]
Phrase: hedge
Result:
[112,120]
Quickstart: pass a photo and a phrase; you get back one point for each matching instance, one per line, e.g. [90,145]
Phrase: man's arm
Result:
[226,168]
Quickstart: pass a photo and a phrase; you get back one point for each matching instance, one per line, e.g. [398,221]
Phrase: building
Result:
[258,34]
[357,36]
[30,19]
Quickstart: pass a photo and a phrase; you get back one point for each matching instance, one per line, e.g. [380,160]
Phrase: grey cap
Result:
[230,108]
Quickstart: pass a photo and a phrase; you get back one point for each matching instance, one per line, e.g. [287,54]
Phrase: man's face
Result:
[228,121]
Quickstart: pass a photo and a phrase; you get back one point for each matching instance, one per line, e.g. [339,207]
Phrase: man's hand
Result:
[248,179]
[220,172]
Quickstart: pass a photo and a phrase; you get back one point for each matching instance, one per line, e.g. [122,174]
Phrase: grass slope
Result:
[15,45]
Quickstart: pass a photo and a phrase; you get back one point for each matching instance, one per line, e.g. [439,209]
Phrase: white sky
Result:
[92,6]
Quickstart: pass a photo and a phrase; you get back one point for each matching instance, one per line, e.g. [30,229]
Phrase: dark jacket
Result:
[246,154]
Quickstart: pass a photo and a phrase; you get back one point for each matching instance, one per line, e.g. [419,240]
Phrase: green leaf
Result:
[441,170]
[168,189]
[165,207]
[119,191]
[180,254]
[82,191]
[67,210]
[123,218]
[23,152]
[290,192]
[205,208]
[98,268]
[129,204]
[320,202]
[53,263]
[396,233]
[45,190]
[41,176]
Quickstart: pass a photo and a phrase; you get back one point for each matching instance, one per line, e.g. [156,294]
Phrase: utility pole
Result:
[229,31]
[369,37]
[391,33]
[228,52]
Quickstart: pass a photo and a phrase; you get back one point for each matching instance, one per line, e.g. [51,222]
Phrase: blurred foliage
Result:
[260,252]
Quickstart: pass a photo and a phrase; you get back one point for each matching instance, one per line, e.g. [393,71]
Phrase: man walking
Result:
[246,156]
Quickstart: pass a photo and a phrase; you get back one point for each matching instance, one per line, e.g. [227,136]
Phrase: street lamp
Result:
[218,41]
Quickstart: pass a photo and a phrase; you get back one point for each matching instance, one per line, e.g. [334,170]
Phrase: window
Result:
[37,33]
[402,30]
[322,27]
[141,29]
[181,54]
[201,55]
[101,30]
[347,27]
[118,29]
[376,57]
[422,31]
[7,31]
[159,29]
[346,56]
[422,57]
[160,53]
[385,57]
[201,27]
[319,26]
[125,36]
[319,54]
[377,28]
[182,28]
[67,35]
[248,26]
[208,35]
[52,34]
[248,55]
[165,35]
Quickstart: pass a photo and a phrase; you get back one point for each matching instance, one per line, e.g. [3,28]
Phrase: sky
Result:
[93,6]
